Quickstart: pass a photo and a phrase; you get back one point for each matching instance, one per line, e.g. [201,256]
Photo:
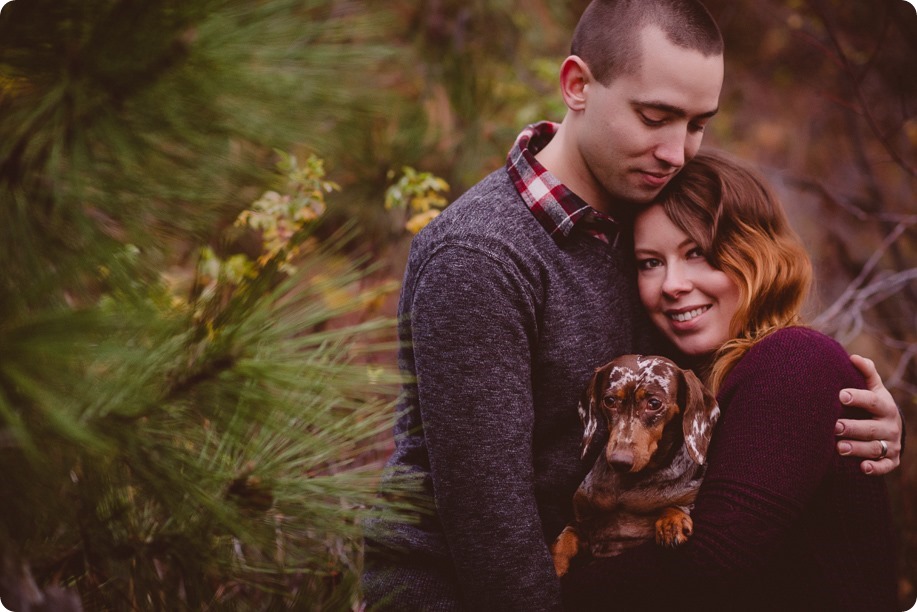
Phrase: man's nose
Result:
[672,150]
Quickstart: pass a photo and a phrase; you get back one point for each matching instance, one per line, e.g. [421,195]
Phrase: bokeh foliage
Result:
[184,411]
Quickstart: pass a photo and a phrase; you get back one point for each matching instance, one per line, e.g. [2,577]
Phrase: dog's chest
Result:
[616,511]
[607,490]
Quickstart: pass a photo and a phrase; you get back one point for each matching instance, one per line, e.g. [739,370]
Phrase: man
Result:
[519,290]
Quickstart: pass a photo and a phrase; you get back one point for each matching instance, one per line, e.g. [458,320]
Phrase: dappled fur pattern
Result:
[660,419]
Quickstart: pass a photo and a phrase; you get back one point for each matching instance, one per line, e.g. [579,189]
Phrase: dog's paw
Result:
[565,547]
[673,527]
[561,566]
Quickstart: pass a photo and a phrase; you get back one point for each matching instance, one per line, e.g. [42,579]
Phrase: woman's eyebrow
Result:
[681,245]
[645,252]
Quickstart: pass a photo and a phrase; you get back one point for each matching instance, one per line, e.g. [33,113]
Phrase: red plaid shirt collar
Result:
[558,209]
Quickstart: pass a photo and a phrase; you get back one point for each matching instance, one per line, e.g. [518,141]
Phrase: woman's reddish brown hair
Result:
[732,213]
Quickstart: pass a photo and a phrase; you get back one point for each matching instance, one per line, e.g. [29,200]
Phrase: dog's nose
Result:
[621,460]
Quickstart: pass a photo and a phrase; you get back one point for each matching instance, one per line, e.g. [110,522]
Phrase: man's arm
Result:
[862,438]
[473,333]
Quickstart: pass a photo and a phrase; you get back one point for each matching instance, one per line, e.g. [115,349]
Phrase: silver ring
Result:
[884,450]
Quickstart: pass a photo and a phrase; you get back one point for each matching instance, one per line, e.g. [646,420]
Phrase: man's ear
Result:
[574,76]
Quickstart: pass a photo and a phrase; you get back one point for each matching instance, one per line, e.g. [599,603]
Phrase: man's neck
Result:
[562,159]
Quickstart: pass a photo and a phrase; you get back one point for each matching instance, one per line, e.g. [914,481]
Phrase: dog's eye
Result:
[653,404]
[609,401]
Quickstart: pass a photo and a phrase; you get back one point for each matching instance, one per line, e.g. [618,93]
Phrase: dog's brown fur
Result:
[660,419]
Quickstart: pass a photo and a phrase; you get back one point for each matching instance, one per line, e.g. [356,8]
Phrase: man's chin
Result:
[641,198]
[633,195]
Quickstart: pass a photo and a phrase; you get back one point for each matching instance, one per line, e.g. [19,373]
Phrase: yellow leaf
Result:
[418,222]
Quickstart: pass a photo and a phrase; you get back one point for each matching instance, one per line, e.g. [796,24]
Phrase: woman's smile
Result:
[688,314]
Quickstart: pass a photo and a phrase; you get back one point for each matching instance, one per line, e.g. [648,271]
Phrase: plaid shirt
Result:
[558,209]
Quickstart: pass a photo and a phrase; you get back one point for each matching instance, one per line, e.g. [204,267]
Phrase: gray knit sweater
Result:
[502,325]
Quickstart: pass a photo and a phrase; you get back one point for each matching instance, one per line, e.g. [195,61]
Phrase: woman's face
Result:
[689,300]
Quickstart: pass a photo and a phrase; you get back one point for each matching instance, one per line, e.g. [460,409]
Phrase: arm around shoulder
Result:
[771,451]
[880,438]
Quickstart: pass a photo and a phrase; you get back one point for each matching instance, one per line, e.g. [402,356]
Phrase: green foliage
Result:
[142,122]
[467,77]
[183,432]
[182,453]
[155,457]
[280,216]
[486,87]
[419,195]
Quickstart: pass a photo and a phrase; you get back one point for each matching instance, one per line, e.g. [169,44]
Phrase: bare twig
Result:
[856,287]
[864,106]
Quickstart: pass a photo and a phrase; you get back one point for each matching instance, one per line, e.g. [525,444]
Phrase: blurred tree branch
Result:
[864,107]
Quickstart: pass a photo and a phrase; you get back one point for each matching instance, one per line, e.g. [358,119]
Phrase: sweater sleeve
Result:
[770,452]
[473,329]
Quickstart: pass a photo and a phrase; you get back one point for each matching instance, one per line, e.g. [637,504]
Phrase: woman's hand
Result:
[864,438]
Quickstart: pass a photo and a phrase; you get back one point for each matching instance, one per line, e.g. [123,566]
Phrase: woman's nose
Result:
[676,282]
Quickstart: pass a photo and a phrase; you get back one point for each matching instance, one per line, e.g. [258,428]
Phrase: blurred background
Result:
[205,209]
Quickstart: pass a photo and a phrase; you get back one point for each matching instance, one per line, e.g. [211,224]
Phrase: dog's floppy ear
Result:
[589,411]
[701,414]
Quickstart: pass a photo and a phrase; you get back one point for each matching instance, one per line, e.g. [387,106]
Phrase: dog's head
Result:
[643,399]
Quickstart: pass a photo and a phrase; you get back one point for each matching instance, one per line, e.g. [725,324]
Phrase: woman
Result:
[781,522]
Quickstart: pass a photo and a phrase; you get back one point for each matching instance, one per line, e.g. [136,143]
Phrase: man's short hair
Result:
[607,36]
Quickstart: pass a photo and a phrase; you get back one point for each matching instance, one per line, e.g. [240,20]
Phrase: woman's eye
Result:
[696,253]
[648,264]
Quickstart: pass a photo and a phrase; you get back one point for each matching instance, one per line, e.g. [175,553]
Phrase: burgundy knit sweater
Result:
[782,522]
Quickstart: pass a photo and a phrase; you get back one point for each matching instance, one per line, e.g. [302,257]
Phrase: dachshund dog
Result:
[660,419]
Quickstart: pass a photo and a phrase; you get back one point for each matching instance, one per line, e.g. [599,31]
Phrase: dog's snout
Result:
[621,460]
